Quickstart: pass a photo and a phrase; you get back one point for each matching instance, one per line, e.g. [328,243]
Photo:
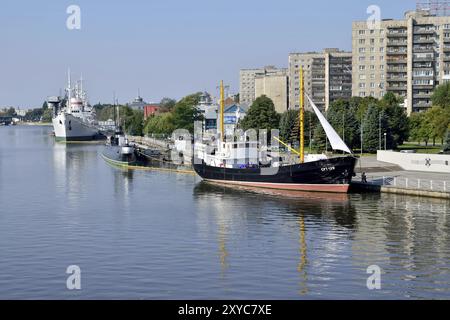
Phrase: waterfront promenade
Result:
[387,177]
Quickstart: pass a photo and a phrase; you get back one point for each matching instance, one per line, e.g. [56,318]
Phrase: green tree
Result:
[415,122]
[438,119]
[160,124]
[343,117]
[320,139]
[34,115]
[47,115]
[397,120]
[446,148]
[441,95]
[185,112]
[167,104]
[371,128]
[288,122]
[261,115]
[134,122]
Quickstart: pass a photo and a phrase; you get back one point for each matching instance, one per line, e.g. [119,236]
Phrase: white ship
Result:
[73,118]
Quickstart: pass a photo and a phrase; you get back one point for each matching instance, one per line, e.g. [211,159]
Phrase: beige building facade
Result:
[408,57]
[327,77]
[247,82]
[274,86]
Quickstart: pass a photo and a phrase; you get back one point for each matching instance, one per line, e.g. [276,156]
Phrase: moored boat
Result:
[239,162]
[73,118]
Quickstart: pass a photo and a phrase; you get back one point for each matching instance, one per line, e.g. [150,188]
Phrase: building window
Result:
[362,68]
[362,41]
[362,32]
[362,85]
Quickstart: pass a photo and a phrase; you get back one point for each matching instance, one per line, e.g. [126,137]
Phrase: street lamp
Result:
[385,135]
[379,132]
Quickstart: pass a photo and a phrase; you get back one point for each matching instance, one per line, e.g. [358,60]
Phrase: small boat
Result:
[239,162]
[119,151]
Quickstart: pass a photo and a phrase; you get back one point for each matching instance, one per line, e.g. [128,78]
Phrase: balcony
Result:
[423,49]
[397,79]
[396,70]
[426,58]
[397,34]
[422,95]
[424,31]
[422,104]
[424,41]
[397,43]
[396,52]
[397,88]
[423,86]
[396,61]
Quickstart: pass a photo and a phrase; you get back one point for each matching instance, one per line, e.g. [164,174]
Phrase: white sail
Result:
[335,140]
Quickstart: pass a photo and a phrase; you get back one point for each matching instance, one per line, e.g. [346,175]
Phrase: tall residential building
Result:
[327,77]
[247,79]
[408,57]
[275,86]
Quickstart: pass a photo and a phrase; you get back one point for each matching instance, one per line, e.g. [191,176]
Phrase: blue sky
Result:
[164,48]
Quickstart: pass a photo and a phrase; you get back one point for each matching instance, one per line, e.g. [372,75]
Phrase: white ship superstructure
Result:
[73,117]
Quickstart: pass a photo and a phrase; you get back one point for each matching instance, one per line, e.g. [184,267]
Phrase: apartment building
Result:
[408,57]
[327,76]
[247,77]
[274,86]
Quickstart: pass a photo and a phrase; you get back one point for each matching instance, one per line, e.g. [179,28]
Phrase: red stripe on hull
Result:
[335,188]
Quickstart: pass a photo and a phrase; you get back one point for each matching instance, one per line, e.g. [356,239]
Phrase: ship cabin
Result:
[233,154]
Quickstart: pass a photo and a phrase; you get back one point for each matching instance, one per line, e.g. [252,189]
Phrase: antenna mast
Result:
[302,115]
[222,106]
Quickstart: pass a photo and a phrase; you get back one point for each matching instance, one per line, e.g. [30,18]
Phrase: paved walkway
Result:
[389,175]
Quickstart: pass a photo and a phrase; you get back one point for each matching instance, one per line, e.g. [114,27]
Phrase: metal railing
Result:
[410,183]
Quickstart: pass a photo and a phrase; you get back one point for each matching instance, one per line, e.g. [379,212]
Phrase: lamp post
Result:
[379,132]
[385,135]
[361,135]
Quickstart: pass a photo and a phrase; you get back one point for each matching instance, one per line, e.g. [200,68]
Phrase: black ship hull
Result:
[330,175]
[113,155]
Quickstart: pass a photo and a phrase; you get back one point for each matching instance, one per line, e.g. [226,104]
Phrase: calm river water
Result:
[159,235]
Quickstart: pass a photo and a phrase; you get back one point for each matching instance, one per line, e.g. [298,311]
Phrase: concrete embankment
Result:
[389,178]
[369,187]
[151,142]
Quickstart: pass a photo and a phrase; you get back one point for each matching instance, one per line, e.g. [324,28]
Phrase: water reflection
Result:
[244,211]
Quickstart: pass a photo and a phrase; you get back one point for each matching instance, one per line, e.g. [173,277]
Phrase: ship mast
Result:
[302,116]
[222,106]
[69,91]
